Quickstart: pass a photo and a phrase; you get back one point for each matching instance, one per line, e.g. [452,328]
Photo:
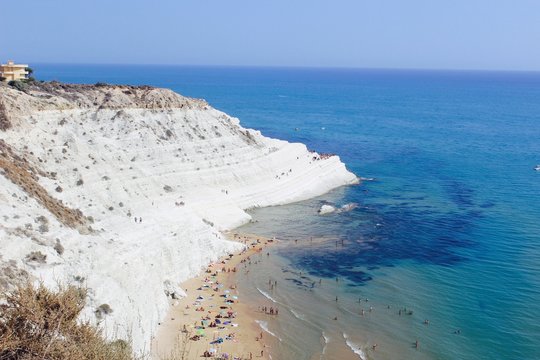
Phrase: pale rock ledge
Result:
[79,162]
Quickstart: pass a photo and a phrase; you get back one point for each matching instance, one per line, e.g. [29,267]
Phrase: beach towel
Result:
[218,341]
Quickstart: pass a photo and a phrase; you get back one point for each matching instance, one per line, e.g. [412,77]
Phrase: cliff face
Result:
[79,162]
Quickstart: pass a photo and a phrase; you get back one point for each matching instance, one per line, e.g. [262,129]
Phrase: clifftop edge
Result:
[23,98]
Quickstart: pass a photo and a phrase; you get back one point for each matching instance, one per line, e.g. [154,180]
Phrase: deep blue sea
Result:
[449,228]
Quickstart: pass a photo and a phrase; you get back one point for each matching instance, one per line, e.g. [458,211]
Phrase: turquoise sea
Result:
[448,231]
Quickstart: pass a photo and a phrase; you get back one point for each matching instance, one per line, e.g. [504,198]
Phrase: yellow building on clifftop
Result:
[12,71]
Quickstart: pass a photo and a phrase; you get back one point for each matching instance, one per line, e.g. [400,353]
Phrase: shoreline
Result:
[229,327]
[94,181]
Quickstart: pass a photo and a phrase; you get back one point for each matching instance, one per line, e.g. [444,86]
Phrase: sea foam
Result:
[355,347]
[266,295]
[298,315]
[264,325]
[326,341]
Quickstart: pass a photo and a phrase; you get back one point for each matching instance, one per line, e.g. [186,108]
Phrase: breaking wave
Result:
[266,295]
[264,326]
[355,347]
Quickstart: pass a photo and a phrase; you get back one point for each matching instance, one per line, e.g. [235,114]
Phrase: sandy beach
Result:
[212,321]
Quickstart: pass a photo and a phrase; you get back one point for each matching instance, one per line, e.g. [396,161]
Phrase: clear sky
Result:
[432,34]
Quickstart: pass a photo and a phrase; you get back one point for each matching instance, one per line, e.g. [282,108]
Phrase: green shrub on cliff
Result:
[20,85]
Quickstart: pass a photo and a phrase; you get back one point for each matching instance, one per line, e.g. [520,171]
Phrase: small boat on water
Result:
[537,168]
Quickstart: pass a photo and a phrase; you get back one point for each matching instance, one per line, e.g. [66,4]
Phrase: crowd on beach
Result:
[323,156]
[220,316]
[320,156]
[215,301]
[269,310]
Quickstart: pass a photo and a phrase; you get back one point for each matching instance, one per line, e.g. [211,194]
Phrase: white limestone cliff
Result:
[78,163]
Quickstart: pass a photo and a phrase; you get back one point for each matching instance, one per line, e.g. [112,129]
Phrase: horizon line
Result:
[314,67]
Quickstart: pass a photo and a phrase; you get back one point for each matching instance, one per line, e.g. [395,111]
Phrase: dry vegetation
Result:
[22,173]
[37,323]
[4,120]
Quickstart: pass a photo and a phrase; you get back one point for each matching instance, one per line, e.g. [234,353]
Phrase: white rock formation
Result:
[117,153]
[326,209]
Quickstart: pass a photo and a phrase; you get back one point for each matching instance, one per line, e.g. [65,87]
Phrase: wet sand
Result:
[212,317]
